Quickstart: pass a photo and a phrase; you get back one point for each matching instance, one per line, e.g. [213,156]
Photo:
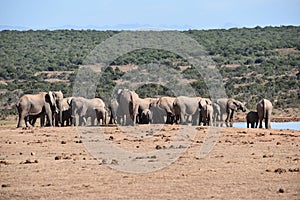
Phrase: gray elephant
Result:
[88,108]
[144,110]
[206,112]
[217,112]
[40,104]
[264,109]
[165,104]
[252,118]
[66,113]
[113,107]
[145,117]
[185,107]
[158,114]
[229,106]
[128,106]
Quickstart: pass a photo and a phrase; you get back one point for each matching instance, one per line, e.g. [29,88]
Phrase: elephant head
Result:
[236,105]
[204,101]
[56,101]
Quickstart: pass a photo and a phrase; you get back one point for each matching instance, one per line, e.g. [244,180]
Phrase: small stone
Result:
[57,158]
[111,138]
[158,147]
[5,185]
[294,170]
[63,142]
[281,190]
[32,153]
[279,170]
[114,162]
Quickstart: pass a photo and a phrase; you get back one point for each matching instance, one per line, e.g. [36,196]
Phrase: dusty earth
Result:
[54,163]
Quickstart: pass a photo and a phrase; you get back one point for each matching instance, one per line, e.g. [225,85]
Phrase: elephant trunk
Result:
[60,110]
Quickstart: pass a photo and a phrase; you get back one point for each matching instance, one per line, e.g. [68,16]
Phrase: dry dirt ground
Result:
[54,163]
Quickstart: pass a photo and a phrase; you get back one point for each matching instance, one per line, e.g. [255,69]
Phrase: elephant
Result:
[217,112]
[252,118]
[114,106]
[165,104]
[66,113]
[144,110]
[157,113]
[88,108]
[128,106]
[206,112]
[41,104]
[264,109]
[145,117]
[186,106]
[230,106]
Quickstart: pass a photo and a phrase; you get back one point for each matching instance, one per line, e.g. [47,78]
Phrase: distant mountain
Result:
[18,28]
[124,27]
[102,28]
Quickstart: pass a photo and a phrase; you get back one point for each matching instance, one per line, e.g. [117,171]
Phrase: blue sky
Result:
[160,14]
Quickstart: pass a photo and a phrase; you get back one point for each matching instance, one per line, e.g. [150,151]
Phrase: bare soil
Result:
[53,163]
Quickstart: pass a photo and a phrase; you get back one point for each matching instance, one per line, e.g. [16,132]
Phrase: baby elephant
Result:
[252,118]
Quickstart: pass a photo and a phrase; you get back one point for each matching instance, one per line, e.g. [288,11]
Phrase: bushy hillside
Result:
[254,63]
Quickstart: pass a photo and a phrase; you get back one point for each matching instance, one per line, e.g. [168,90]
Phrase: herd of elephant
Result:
[127,108]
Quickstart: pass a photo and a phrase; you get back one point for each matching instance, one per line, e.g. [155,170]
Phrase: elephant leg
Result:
[247,124]
[195,119]
[112,118]
[169,118]
[210,120]
[23,116]
[228,116]
[32,122]
[93,118]
[182,119]
[49,120]
[231,116]
[20,121]
[200,119]
[135,113]
[221,116]
[80,121]
[56,118]
[84,120]
[134,118]
[119,120]
[260,123]
[267,123]
[26,119]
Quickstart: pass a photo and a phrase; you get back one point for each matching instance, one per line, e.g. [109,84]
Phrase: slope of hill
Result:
[254,63]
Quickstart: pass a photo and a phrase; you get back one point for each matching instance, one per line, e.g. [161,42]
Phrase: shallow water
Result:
[274,125]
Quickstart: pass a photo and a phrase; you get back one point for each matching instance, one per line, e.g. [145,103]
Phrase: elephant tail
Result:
[265,110]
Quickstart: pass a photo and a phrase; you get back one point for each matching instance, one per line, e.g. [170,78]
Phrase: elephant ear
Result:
[208,101]
[49,98]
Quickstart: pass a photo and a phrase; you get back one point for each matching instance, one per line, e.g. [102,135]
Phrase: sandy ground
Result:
[54,163]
